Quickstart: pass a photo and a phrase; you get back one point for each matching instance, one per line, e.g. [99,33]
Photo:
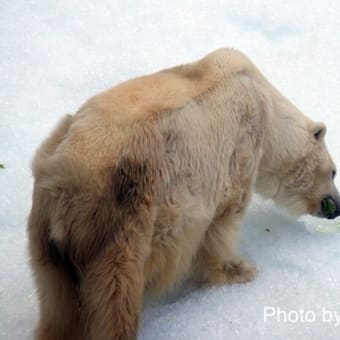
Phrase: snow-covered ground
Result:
[55,54]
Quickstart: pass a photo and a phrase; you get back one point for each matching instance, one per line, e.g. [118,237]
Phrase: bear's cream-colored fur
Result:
[148,182]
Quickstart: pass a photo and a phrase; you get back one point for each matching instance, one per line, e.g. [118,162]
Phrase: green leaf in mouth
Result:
[328,206]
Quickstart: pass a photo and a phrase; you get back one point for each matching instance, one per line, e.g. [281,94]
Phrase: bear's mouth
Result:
[329,208]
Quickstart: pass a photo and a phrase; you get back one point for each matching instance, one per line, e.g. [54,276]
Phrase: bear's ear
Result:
[319,131]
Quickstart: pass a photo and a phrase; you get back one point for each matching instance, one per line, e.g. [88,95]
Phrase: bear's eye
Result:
[333,174]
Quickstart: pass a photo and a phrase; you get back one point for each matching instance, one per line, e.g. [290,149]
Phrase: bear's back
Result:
[145,97]
[107,125]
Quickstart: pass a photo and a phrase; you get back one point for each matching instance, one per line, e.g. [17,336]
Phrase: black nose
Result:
[330,207]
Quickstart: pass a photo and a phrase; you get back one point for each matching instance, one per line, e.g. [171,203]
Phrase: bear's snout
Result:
[330,207]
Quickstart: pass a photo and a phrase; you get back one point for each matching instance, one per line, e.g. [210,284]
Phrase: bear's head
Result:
[296,169]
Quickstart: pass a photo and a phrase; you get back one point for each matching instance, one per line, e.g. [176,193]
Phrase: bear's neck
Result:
[284,127]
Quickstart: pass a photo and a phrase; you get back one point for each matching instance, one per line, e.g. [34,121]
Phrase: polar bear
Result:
[148,182]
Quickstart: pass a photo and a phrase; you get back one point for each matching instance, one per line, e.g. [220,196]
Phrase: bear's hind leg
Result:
[218,261]
[59,315]
[55,282]
[113,285]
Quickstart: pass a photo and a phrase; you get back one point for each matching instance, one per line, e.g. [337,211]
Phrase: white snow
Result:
[55,54]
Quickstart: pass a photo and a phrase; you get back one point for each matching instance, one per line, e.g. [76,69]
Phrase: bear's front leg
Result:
[217,260]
